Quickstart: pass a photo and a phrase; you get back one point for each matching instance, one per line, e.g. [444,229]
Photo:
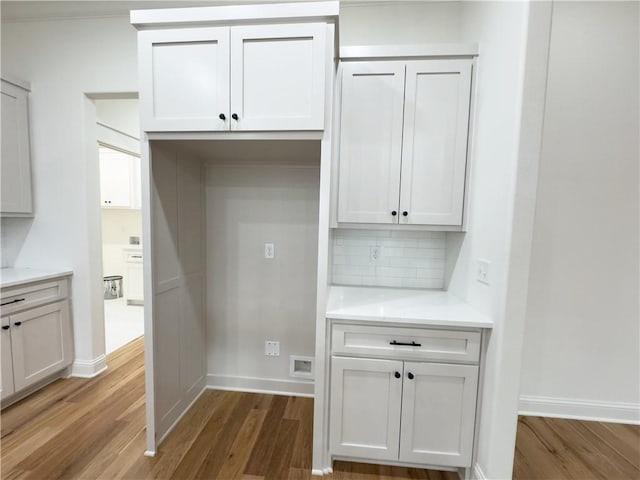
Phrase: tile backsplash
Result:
[388,258]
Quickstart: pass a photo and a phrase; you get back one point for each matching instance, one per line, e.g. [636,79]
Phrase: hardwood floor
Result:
[90,429]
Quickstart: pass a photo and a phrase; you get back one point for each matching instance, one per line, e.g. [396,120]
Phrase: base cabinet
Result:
[415,412]
[36,342]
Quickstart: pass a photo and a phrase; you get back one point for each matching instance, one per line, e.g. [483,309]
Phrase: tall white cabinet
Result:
[208,76]
[404,127]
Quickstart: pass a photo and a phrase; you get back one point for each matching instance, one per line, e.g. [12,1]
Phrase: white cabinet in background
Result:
[250,78]
[119,179]
[403,141]
[37,341]
[411,406]
[15,163]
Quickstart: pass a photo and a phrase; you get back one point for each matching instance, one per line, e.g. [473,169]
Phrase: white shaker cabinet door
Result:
[6,359]
[365,407]
[41,343]
[434,155]
[115,178]
[278,77]
[15,170]
[438,413]
[370,141]
[184,75]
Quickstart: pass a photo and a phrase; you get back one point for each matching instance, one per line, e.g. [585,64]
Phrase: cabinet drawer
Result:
[424,344]
[32,295]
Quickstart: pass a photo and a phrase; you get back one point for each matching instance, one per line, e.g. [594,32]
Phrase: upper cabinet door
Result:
[15,170]
[434,155]
[184,75]
[370,141]
[278,77]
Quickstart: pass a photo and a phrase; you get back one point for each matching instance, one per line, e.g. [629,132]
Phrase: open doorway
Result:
[121,219]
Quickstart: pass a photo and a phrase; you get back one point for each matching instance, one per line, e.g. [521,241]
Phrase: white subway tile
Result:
[354,270]
[347,280]
[422,283]
[382,281]
[423,252]
[395,272]
[432,273]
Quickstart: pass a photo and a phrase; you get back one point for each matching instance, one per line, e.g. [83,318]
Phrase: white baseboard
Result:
[274,386]
[613,412]
[478,474]
[89,368]
[149,453]
[320,472]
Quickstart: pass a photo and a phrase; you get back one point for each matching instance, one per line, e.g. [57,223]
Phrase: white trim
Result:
[369,52]
[149,453]
[273,386]
[237,135]
[302,11]
[613,412]
[177,420]
[320,472]
[478,474]
[89,368]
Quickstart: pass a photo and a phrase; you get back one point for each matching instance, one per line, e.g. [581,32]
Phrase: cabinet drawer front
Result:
[19,298]
[428,344]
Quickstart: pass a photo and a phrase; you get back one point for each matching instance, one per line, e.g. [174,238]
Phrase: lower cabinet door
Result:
[134,286]
[438,413]
[366,397]
[41,343]
[6,359]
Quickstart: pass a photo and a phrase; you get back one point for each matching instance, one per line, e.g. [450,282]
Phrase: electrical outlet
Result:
[483,271]
[271,348]
[269,251]
[375,253]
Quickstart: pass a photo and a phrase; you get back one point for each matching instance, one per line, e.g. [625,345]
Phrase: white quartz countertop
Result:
[10,277]
[420,307]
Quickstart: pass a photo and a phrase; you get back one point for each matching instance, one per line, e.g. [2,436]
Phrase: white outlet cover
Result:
[375,253]
[272,348]
[269,251]
[483,271]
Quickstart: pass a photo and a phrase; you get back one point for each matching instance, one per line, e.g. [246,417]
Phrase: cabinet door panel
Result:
[278,77]
[434,151]
[370,141]
[115,178]
[134,286]
[15,174]
[7,361]
[41,343]
[438,413]
[184,79]
[365,407]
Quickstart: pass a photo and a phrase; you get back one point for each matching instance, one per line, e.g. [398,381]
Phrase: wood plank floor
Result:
[90,429]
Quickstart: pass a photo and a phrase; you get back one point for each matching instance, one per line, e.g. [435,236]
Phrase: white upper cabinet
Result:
[119,179]
[370,141]
[251,78]
[15,163]
[403,141]
[434,144]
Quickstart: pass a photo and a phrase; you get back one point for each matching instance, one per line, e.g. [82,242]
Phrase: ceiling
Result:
[21,10]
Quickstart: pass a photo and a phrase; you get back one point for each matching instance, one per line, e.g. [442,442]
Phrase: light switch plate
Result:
[272,348]
[483,271]
[269,251]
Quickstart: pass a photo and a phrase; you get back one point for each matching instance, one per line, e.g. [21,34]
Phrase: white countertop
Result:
[10,277]
[423,307]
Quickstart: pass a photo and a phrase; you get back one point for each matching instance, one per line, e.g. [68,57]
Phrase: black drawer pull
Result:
[5,327]
[17,324]
[12,301]
[405,344]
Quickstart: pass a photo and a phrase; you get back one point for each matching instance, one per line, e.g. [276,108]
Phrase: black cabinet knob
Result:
[17,324]
[405,213]
[234,116]
[222,116]
[410,375]
[6,327]
[394,213]
[397,375]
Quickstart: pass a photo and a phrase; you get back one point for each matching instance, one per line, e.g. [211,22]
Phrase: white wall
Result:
[581,352]
[63,60]
[399,22]
[500,28]
[252,299]
[120,113]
